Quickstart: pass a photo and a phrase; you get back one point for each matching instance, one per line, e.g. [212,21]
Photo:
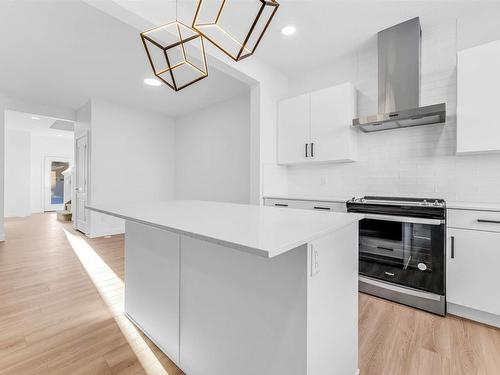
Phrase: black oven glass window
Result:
[410,254]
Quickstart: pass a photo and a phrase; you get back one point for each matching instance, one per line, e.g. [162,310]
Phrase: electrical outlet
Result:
[314,261]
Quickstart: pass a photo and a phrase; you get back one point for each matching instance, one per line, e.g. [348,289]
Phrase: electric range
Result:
[402,245]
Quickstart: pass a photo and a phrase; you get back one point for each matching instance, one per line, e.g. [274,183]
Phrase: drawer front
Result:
[477,220]
[307,205]
[282,203]
[327,206]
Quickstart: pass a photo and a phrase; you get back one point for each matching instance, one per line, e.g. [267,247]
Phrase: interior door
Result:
[54,183]
[81,170]
[293,130]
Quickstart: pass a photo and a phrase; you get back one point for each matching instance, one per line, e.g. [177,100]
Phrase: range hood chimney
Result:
[399,50]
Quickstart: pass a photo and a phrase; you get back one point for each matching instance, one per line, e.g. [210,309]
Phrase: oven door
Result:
[403,250]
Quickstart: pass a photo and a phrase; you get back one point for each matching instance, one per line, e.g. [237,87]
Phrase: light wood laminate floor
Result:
[61,301]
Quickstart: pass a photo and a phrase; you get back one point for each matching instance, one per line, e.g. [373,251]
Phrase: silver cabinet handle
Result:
[312,150]
[322,208]
[452,239]
[307,145]
[281,205]
[488,221]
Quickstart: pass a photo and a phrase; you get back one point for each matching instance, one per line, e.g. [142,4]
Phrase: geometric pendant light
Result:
[176,53]
[234,26]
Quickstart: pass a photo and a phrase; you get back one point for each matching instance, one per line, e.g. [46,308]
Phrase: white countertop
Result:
[479,206]
[454,205]
[265,231]
[298,197]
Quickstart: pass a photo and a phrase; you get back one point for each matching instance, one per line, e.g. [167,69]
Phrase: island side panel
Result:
[152,284]
[241,313]
[333,303]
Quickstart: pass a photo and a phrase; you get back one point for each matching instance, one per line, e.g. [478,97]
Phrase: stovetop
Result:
[399,201]
[399,206]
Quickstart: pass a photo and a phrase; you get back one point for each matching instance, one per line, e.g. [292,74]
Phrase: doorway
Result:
[39,153]
[57,183]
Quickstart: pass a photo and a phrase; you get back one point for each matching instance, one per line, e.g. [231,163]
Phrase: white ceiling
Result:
[65,52]
[326,30]
[24,121]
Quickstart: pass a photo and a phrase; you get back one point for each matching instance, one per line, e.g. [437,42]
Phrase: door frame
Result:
[46,184]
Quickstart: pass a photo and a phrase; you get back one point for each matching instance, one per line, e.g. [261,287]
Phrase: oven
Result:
[402,245]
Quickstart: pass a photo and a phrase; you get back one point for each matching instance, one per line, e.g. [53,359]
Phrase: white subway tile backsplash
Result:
[417,161]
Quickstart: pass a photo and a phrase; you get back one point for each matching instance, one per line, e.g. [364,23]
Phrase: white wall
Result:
[131,160]
[212,153]
[25,155]
[267,86]
[418,161]
[3,107]
[27,106]
[42,147]
[17,173]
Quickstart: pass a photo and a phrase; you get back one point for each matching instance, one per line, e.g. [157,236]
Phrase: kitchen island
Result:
[227,289]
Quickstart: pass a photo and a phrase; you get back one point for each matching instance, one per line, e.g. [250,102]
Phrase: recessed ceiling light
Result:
[59,135]
[288,30]
[35,118]
[152,82]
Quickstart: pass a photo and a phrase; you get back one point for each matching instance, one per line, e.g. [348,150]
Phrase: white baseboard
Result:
[106,232]
[472,314]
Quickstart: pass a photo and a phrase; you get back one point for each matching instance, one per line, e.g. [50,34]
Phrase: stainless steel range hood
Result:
[399,50]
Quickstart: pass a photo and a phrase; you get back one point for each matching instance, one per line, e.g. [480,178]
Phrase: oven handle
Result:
[405,219]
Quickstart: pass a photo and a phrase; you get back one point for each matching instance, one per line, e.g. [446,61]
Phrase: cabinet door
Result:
[478,80]
[293,129]
[472,275]
[332,134]
[152,284]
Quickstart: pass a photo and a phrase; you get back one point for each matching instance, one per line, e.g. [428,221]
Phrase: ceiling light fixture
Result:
[223,24]
[35,118]
[176,53]
[152,82]
[59,135]
[288,30]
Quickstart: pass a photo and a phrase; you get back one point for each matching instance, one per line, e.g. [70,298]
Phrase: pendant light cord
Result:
[176,10]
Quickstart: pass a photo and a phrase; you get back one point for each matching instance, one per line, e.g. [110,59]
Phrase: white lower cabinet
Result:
[306,204]
[473,278]
[152,262]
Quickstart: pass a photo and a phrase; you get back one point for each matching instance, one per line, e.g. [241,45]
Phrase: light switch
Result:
[314,261]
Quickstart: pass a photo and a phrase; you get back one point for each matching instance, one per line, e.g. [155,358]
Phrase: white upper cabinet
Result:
[317,127]
[293,129]
[478,80]
[333,137]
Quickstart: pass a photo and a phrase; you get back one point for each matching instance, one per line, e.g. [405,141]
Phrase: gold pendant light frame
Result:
[166,47]
[171,66]
[244,50]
